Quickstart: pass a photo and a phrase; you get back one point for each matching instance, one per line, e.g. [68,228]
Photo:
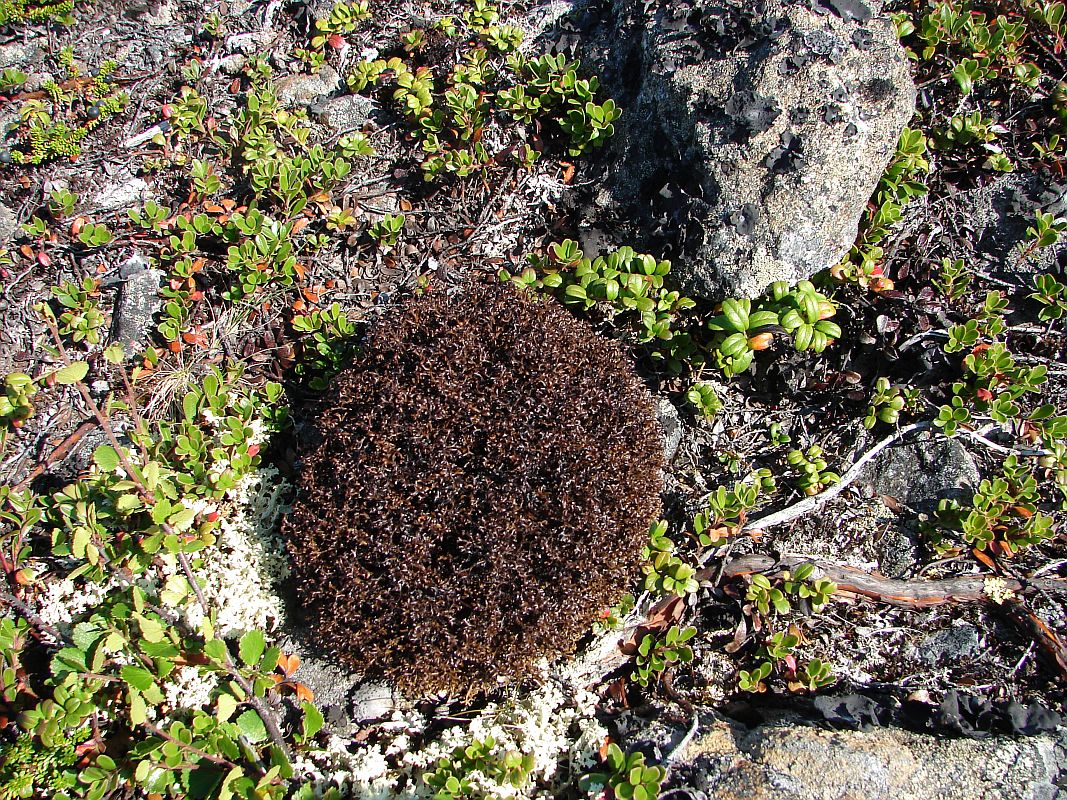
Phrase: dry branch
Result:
[907,594]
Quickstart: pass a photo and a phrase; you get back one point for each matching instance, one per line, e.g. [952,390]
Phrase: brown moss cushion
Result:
[485,479]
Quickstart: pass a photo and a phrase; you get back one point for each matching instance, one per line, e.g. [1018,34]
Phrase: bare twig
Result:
[810,504]
[59,453]
[33,617]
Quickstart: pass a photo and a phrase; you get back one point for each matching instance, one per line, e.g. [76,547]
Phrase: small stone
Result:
[19,55]
[304,89]
[342,114]
[137,304]
[249,44]
[121,194]
[371,701]
[923,473]
[667,415]
[9,223]
[950,646]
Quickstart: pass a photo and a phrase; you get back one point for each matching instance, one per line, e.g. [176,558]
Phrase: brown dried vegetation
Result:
[485,479]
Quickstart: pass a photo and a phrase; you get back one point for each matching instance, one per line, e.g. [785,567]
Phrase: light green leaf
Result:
[313,720]
[138,677]
[72,373]
[138,709]
[251,647]
[226,705]
[252,726]
[151,630]
[106,458]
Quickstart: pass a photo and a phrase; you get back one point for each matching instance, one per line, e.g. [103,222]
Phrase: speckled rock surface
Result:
[753,134]
[923,473]
[783,762]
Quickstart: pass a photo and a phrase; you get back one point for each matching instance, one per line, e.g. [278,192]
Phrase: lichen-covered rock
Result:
[753,134]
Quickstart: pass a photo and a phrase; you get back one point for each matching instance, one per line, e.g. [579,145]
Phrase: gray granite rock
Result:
[950,645]
[20,55]
[342,114]
[125,191]
[752,137]
[9,224]
[672,427]
[793,762]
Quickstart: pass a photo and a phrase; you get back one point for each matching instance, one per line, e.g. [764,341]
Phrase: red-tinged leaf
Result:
[253,450]
[196,338]
[989,562]
[337,41]
[27,251]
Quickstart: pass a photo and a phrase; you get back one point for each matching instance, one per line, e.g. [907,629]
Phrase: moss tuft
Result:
[484,480]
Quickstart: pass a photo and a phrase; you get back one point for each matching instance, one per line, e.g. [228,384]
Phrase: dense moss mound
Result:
[484,481]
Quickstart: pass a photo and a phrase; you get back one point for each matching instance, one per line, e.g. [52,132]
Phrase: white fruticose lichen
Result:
[188,688]
[248,560]
[553,723]
[65,602]
[996,589]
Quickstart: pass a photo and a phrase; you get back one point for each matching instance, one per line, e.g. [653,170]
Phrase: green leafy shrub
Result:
[664,571]
[626,775]
[747,326]
[489,86]
[14,11]
[30,769]
[55,126]
[450,779]
[629,285]
[484,479]
[655,655]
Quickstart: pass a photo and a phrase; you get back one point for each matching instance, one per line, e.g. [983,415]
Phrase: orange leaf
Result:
[303,692]
[985,559]
[288,663]
[26,250]
[299,270]
[568,171]
[195,338]
[300,224]
[299,304]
